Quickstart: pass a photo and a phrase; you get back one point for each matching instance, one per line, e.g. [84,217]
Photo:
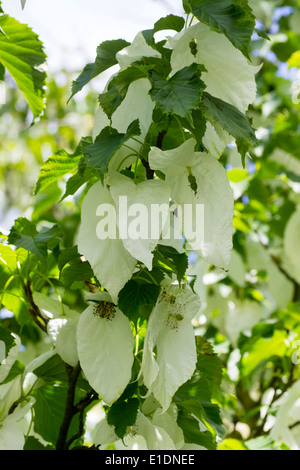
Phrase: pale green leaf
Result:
[21,53]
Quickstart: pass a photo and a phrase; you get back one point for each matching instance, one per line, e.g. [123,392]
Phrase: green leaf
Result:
[55,168]
[208,364]
[262,34]
[60,164]
[17,368]
[49,409]
[106,144]
[32,443]
[218,112]
[7,341]
[262,443]
[24,234]
[262,350]
[134,295]
[195,396]
[165,131]
[197,128]
[83,175]
[232,444]
[76,273]
[123,414]
[106,58]
[67,255]
[12,294]
[54,369]
[118,86]
[186,6]
[23,3]
[191,431]
[181,93]
[233,18]
[179,260]
[173,22]
[176,23]
[197,387]
[21,53]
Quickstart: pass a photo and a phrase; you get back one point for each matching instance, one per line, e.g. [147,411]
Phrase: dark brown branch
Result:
[39,319]
[80,430]
[159,141]
[70,410]
[79,408]
[149,172]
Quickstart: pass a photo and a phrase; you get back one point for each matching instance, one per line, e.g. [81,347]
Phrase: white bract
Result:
[278,288]
[112,264]
[61,327]
[213,239]
[105,349]
[136,105]
[285,429]
[135,51]
[228,74]
[242,315]
[10,392]
[143,435]
[170,331]
[155,431]
[291,241]
[11,431]
[144,231]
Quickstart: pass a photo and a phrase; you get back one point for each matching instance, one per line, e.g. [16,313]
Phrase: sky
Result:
[71,30]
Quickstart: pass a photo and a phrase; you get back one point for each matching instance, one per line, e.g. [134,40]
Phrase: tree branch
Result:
[73,374]
[159,141]
[72,409]
[39,319]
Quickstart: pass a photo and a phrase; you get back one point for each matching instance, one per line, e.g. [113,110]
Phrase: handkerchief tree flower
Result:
[152,190]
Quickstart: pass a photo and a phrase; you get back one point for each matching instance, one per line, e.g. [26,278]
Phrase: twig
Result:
[73,374]
[72,409]
[159,141]
[39,319]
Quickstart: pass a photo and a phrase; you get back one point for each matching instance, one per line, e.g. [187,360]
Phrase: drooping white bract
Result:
[62,331]
[112,264]
[136,105]
[50,307]
[288,415]
[61,327]
[228,76]
[10,392]
[142,202]
[213,241]
[143,435]
[215,139]
[170,331]
[135,51]
[168,421]
[105,348]
[156,437]
[242,315]
[291,243]
[11,431]
[278,288]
